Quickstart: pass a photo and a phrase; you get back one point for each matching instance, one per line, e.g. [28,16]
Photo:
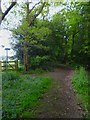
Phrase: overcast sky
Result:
[5,41]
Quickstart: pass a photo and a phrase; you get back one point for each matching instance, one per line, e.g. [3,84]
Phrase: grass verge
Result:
[21,94]
[81,83]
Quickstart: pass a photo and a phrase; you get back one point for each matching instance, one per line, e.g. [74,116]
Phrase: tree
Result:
[36,39]
[13,3]
[59,37]
[77,21]
[68,41]
[30,21]
[72,45]
[26,27]
[28,18]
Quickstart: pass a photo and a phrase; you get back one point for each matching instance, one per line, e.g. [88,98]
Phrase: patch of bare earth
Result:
[60,101]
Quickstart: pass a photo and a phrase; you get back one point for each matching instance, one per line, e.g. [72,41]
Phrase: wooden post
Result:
[16,64]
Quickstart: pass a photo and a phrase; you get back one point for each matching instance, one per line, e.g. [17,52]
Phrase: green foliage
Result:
[19,95]
[80,83]
[36,38]
[35,61]
[37,71]
[12,75]
[64,38]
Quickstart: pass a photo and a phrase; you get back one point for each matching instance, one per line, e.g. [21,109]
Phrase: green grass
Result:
[10,75]
[32,71]
[80,83]
[37,71]
[22,94]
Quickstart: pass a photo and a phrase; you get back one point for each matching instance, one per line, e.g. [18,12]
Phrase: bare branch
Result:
[34,7]
[9,8]
[34,17]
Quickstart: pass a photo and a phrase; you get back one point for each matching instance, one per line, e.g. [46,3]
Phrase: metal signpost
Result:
[7,62]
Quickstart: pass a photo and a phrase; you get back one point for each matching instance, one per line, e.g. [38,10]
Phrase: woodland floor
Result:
[60,101]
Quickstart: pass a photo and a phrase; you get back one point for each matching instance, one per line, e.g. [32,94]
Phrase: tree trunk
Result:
[72,46]
[26,61]
[26,58]
[65,53]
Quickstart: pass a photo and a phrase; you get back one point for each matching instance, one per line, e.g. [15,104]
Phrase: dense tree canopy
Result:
[64,38]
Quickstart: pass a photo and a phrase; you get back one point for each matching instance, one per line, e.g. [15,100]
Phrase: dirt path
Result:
[60,101]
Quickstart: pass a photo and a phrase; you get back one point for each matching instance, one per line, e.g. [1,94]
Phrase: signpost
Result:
[7,62]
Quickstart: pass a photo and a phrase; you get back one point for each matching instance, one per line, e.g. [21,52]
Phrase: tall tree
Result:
[36,39]
[30,22]
[26,27]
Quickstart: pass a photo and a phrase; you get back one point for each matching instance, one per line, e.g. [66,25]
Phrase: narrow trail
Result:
[60,101]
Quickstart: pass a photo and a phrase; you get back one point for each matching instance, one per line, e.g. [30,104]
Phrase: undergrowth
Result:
[80,83]
[21,94]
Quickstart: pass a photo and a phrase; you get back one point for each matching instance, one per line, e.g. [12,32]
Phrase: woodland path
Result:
[60,101]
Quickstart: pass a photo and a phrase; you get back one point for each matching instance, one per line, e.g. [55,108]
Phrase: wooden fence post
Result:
[16,64]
